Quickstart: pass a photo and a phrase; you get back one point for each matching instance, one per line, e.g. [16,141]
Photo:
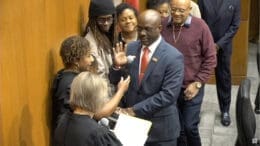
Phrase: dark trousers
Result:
[189,111]
[163,143]
[223,80]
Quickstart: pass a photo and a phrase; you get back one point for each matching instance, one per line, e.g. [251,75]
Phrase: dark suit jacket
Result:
[155,98]
[223,21]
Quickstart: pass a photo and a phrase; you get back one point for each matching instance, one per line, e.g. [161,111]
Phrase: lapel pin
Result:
[154,59]
[231,7]
[130,58]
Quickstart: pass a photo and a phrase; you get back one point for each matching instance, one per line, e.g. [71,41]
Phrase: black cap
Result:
[101,7]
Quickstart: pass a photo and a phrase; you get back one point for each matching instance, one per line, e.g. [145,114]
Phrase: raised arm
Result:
[111,105]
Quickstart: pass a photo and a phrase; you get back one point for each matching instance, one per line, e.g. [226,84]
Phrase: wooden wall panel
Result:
[31,33]
[13,97]
[254,21]
[245,9]
[240,50]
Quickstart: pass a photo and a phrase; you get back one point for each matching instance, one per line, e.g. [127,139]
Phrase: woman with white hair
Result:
[89,94]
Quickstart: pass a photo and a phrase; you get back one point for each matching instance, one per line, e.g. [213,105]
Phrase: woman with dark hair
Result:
[162,6]
[76,57]
[127,22]
[89,94]
[100,32]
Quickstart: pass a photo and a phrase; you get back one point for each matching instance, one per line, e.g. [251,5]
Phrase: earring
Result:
[77,65]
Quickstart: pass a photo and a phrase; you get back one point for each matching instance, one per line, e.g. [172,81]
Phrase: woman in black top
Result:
[88,95]
[76,57]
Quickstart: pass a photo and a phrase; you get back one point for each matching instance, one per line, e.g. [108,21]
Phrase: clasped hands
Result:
[127,111]
[191,91]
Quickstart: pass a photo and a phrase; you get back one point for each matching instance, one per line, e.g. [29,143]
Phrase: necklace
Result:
[176,38]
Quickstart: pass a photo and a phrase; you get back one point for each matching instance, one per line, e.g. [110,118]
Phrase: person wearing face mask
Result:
[127,23]
[192,37]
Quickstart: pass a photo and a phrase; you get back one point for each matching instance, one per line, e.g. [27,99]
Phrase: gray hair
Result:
[89,92]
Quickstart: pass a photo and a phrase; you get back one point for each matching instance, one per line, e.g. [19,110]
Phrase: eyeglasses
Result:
[174,10]
[105,19]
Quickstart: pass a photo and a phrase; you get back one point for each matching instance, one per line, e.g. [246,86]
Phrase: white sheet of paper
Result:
[132,131]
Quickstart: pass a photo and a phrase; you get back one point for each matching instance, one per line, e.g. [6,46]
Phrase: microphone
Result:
[104,122]
[112,120]
[130,58]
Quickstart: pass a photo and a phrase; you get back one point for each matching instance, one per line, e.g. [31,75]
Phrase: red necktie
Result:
[144,63]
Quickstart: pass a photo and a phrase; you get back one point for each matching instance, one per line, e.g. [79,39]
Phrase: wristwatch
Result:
[198,85]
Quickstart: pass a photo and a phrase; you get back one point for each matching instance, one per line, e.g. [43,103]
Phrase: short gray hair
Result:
[88,92]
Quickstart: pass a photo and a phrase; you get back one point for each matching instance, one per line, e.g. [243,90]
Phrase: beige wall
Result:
[30,35]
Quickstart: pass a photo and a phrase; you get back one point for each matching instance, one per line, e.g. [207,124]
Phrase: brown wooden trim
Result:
[236,80]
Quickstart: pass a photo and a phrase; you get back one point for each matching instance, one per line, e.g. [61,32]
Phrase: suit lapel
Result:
[134,71]
[153,62]
[222,8]
[212,6]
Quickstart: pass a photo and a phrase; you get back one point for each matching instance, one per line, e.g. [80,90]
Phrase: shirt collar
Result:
[186,23]
[154,45]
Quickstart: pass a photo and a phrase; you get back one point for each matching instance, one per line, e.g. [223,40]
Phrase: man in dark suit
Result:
[223,19]
[153,93]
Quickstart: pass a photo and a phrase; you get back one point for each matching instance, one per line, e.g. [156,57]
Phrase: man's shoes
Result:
[225,119]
